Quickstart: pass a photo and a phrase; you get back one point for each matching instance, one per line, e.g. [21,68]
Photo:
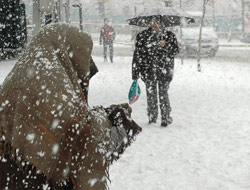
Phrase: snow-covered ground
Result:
[207,147]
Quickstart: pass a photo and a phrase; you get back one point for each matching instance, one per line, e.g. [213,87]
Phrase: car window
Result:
[198,22]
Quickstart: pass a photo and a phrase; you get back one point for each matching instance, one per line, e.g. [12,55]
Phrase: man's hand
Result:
[135,77]
[162,43]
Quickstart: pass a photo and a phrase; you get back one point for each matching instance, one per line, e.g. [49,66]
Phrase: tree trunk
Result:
[243,17]
[200,34]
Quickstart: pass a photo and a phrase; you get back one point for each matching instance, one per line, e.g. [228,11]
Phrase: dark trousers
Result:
[111,49]
[152,99]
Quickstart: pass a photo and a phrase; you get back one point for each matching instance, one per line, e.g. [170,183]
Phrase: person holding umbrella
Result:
[153,61]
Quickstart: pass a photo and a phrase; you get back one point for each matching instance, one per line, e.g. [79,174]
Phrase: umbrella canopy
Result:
[168,16]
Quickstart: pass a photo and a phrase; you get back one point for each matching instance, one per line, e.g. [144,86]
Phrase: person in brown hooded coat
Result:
[45,120]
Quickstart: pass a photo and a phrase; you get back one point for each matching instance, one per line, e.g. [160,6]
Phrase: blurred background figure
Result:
[107,37]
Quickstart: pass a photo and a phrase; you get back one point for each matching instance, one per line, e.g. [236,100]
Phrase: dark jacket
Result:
[150,60]
[107,34]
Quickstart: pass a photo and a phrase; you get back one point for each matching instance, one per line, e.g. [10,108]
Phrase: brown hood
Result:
[44,114]
[42,96]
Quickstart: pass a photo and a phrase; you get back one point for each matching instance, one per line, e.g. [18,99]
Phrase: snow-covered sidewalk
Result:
[208,145]
[232,43]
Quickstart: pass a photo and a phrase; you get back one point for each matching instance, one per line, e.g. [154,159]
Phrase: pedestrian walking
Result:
[107,37]
[153,61]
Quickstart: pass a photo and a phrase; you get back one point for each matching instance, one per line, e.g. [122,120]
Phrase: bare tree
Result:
[201,25]
[67,11]
[243,17]
[101,8]
[234,5]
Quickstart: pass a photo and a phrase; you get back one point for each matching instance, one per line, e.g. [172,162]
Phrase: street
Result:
[236,53]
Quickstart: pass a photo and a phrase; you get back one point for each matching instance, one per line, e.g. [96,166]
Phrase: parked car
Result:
[188,38]
[245,38]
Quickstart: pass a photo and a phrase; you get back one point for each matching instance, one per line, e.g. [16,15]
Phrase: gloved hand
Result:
[170,75]
[135,77]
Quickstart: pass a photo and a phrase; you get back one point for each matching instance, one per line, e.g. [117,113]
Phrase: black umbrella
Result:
[169,17]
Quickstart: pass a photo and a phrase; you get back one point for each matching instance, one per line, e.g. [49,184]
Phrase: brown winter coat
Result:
[42,96]
[44,114]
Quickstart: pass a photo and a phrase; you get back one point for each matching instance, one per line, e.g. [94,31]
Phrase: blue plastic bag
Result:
[134,92]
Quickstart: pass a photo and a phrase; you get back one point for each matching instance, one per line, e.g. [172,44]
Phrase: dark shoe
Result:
[166,122]
[152,118]
[152,121]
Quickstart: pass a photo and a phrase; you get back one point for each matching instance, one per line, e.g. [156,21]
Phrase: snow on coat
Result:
[42,96]
[44,113]
[150,59]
